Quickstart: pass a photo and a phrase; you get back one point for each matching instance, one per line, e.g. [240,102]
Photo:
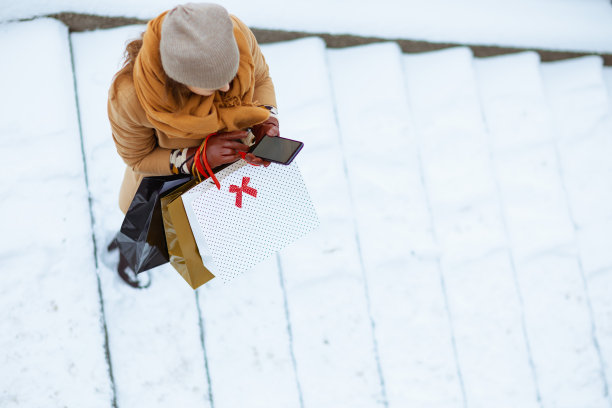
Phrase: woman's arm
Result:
[135,141]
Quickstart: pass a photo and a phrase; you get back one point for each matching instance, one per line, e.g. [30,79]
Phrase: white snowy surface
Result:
[463,257]
[51,333]
[519,124]
[247,342]
[582,109]
[474,265]
[157,355]
[332,338]
[579,25]
[607,76]
[394,233]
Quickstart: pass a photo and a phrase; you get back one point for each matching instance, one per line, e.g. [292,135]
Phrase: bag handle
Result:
[198,170]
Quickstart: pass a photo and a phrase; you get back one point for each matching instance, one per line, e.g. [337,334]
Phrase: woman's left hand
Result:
[268,127]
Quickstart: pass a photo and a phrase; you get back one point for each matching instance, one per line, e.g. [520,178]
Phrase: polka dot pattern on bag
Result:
[279,213]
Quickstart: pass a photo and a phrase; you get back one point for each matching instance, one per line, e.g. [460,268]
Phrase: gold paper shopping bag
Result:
[182,248]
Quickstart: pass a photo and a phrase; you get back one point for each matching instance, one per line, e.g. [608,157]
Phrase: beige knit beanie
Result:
[198,47]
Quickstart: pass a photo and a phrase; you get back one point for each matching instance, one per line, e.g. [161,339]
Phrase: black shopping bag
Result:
[142,240]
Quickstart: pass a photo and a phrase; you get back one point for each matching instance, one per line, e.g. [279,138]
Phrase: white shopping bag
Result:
[256,212]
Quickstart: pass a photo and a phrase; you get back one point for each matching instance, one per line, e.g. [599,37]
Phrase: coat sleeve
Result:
[264,88]
[136,142]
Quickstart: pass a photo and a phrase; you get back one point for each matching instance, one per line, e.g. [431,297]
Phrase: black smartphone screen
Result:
[277,149]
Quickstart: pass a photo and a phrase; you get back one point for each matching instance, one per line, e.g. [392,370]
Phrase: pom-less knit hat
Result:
[198,47]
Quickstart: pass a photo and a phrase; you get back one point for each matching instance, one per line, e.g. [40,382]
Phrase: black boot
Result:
[138,281]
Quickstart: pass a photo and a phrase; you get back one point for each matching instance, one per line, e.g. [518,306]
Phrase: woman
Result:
[196,71]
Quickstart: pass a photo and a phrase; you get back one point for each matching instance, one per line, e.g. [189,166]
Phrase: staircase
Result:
[463,258]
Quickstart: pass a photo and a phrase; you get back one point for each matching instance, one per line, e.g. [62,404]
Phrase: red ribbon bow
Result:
[244,189]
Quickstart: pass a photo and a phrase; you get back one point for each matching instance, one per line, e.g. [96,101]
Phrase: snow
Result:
[156,348]
[52,339]
[392,241]
[247,341]
[578,25]
[555,304]
[328,309]
[582,109]
[518,120]
[583,121]
[462,260]
[447,115]
[607,76]
[461,189]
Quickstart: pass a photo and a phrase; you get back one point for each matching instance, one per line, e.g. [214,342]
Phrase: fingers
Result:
[272,131]
[236,146]
[251,158]
[229,156]
[226,148]
[237,134]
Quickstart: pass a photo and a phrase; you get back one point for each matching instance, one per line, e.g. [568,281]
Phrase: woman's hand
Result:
[224,148]
[268,127]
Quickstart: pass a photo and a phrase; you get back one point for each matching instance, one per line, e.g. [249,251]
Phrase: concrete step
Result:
[466,212]
[607,76]
[519,124]
[542,230]
[52,338]
[462,258]
[154,335]
[581,107]
[454,151]
[325,289]
[577,96]
[582,123]
[393,226]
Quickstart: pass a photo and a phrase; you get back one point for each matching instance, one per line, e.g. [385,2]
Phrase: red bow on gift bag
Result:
[244,189]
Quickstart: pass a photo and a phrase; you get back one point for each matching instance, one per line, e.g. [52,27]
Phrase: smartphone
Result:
[277,149]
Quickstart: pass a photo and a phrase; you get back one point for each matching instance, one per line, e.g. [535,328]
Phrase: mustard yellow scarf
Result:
[201,115]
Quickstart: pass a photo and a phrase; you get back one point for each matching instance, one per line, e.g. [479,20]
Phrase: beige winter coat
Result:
[145,149]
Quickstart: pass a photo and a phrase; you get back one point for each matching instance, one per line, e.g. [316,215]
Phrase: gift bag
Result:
[256,212]
[141,239]
[182,248]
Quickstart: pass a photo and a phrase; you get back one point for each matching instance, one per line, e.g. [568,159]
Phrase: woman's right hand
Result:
[223,148]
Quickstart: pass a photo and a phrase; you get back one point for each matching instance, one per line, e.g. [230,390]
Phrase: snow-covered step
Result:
[561,331]
[331,330]
[485,310]
[515,110]
[455,154]
[518,121]
[580,103]
[582,112]
[154,334]
[246,322]
[247,342]
[599,284]
[393,224]
[543,244]
[577,96]
[607,76]
[52,342]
